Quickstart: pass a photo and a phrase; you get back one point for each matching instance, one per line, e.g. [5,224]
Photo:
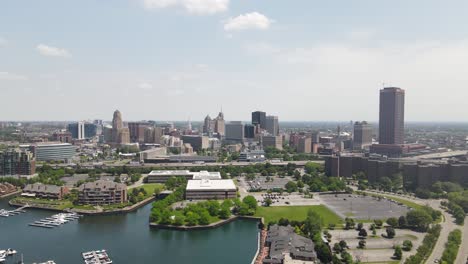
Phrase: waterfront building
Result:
[206,189]
[102,192]
[7,188]
[161,176]
[196,141]
[272,141]
[49,151]
[259,118]
[235,131]
[283,241]
[392,116]
[272,125]
[362,136]
[15,162]
[45,191]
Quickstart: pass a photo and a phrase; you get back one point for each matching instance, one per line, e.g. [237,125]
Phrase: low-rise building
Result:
[7,188]
[282,240]
[45,191]
[102,192]
[161,176]
[210,189]
[53,151]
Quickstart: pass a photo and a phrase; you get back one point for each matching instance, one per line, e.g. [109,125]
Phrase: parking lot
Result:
[363,207]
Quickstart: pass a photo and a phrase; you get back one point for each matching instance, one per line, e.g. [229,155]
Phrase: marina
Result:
[56,220]
[96,257]
[7,213]
[115,233]
[6,253]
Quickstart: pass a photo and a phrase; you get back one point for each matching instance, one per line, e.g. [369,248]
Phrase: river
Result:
[127,239]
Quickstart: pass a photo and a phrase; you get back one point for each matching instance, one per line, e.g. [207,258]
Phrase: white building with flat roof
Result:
[206,189]
[161,176]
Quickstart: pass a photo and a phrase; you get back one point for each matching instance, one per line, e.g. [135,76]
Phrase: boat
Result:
[11,252]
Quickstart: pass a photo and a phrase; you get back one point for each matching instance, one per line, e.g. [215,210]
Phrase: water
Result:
[127,239]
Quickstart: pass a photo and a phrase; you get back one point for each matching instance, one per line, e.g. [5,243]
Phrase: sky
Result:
[303,60]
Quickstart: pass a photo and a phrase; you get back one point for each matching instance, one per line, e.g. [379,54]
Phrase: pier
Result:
[17,211]
[56,220]
[96,257]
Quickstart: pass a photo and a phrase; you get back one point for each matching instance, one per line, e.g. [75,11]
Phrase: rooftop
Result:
[200,185]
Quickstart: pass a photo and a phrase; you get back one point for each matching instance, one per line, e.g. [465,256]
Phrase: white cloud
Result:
[52,51]
[12,77]
[199,7]
[145,86]
[246,21]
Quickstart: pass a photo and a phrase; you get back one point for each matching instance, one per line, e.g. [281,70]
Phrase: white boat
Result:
[11,252]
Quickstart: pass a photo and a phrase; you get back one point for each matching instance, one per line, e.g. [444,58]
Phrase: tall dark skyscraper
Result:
[259,118]
[392,116]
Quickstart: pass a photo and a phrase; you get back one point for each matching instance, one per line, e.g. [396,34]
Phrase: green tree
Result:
[362,244]
[390,232]
[398,254]
[191,218]
[250,201]
[362,233]
[419,219]
[407,245]
[393,222]
[224,213]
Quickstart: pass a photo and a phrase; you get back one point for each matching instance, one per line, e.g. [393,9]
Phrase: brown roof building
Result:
[45,191]
[102,192]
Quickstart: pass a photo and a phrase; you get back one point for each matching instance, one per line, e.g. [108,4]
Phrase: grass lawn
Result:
[54,204]
[298,213]
[149,187]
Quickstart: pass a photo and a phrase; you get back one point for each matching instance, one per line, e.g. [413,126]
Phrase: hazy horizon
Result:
[180,60]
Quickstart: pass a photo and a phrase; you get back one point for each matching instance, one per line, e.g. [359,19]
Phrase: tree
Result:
[204,218]
[224,213]
[291,187]
[268,202]
[191,218]
[346,257]
[398,254]
[343,244]
[419,219]
[363,233]
[378,223]
[402,223]
[313,223]
[337,248]
[390,232]
[349,223]
[362,244]
[213,207]
[407,245]
[179,220]
[250,201]
[323,252]
[393,222]
[360,226]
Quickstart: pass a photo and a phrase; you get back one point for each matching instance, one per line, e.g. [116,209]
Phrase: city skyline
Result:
[302,62]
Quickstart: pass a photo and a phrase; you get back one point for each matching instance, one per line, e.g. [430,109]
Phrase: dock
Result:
[56,220]
[96,257]
[17,211]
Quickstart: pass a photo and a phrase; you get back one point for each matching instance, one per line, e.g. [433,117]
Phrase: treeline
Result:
[451,247]
[423,251]
[288,154]
[201,213]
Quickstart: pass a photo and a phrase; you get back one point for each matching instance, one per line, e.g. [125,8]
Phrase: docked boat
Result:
[11,252]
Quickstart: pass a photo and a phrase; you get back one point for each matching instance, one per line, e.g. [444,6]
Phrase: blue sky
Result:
[180,59]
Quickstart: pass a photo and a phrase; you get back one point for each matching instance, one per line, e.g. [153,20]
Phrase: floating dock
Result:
[56,220]
[17,211]
[96,257]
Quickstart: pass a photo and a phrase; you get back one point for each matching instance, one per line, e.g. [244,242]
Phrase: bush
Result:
[425,249]
[451,247]
[407,245]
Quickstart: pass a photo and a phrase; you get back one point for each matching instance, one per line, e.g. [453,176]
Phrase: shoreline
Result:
[205,227]
[89,212]
[11,194]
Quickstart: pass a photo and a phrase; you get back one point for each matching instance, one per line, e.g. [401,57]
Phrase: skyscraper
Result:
[120,134]
[259,118]
[362,136]
[272,125]
[392,116]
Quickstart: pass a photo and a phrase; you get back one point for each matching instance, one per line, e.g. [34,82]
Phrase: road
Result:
[463,252]
[447,224]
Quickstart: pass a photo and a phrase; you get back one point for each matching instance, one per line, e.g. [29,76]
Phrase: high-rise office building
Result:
[362,136]
[219,124]
[82,130]
[392,116]
[249,131]
[120,134]
[207,125]
[272,141]
[272,125]
[15,162]
[137,131]
[235,131]
[304,145]
[259,118]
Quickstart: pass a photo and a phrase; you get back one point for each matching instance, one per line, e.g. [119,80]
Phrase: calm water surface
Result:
[127,239]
